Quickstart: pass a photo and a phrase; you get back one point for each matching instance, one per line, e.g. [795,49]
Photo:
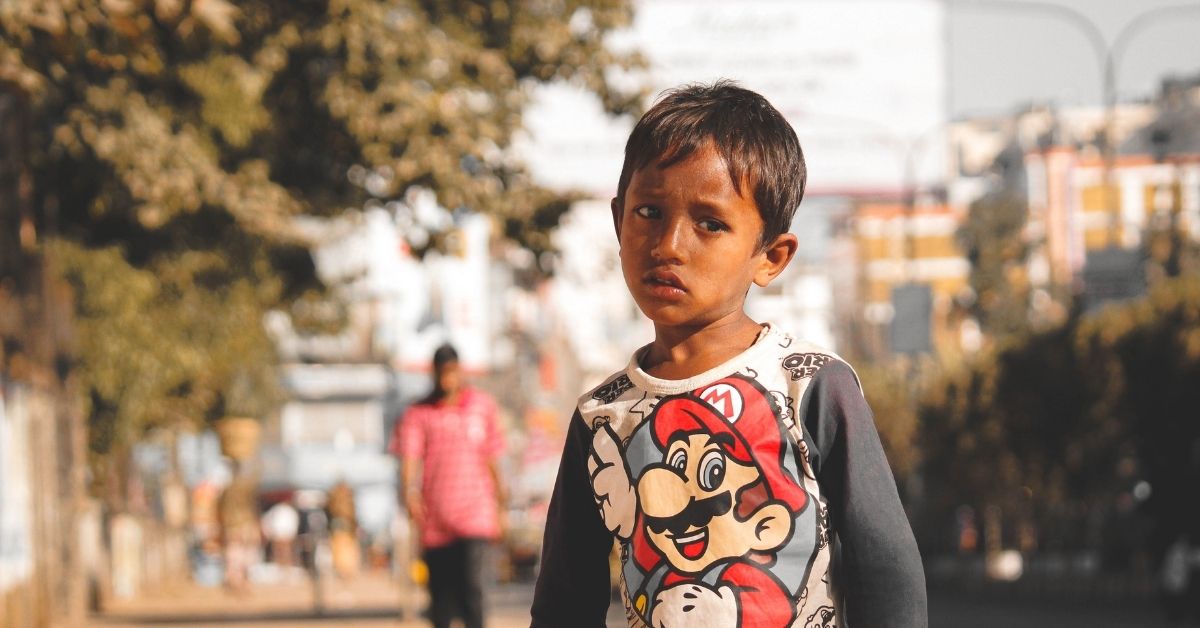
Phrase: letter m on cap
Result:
[725,399]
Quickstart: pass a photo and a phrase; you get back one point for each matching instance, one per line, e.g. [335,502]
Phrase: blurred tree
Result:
[964,456]
[1153,348]
[890,393]
[1022,429]
[172,141]
[1058,427]
[1055,404]
[993,241]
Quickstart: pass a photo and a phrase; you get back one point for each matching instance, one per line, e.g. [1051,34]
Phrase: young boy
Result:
[728,460]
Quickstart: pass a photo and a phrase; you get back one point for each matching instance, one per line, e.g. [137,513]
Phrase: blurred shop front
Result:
[331,432]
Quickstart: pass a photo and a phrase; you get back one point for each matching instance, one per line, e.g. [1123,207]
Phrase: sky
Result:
[1001,58]
[867,84]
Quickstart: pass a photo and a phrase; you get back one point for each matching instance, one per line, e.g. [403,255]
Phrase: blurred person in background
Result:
[280,525]
[237,510]
[1179,580]
[312,532]
[343,530]
[449,445]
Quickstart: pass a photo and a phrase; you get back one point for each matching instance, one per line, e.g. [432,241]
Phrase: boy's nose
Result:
[670,241]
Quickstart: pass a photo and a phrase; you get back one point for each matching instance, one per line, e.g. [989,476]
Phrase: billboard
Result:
[912,323]
[1112,275]
[862,81]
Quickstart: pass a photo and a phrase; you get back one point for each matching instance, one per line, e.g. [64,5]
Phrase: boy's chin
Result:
[659,314]
[673,318]
[680,316]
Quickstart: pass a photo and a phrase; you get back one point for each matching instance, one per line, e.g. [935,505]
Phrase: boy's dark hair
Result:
[757,143]
[444,355]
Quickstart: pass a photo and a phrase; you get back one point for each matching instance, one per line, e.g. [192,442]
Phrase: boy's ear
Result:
[775,258]
[618,210]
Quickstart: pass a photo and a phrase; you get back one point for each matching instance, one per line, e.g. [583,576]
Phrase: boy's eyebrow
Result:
[656,191]
[711,206]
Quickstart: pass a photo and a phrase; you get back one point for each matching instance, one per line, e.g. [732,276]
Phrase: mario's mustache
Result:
[695,514]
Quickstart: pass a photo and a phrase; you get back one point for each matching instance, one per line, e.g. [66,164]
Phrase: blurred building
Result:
[1086,206]
[803,299]
[900,245]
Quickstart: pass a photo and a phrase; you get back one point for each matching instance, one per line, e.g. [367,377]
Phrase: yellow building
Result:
[898,247]
[1073,212]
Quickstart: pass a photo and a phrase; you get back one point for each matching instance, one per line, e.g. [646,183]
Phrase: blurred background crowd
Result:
[232,234]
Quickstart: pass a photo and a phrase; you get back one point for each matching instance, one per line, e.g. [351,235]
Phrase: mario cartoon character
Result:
[705,494]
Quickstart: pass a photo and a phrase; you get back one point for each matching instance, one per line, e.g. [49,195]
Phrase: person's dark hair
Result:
[758,145]
[443,356]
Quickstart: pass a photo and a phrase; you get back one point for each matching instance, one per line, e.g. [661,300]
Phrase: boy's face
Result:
[690,242]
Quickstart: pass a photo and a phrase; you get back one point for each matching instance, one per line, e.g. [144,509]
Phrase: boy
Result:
[728,459]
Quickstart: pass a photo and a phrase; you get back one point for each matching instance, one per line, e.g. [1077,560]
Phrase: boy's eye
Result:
[712,226]
[646,211]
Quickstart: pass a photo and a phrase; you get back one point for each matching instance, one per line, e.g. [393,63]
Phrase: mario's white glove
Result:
[611,484]
[694,605]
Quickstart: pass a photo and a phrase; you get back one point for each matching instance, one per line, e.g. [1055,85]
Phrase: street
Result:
[376,601]
[948,612]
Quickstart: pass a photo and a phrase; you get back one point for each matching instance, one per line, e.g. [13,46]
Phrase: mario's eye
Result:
[712,470]
[645,211]
[678,460]
[712,226]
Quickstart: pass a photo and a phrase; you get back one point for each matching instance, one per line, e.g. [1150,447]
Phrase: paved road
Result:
[947,611]
[371,601]
[375,602]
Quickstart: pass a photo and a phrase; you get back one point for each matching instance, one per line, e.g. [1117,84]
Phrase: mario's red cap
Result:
[739,407]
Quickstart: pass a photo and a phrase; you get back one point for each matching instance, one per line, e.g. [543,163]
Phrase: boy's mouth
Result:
[664,279]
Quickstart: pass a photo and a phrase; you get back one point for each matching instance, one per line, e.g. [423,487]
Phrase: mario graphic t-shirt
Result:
[712,489]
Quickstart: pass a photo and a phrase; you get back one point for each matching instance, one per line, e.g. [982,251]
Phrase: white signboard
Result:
[862,81]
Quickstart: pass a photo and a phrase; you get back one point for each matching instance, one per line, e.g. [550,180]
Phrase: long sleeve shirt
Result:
[726,495]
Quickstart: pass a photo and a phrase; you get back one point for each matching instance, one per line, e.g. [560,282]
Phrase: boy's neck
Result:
[680,353]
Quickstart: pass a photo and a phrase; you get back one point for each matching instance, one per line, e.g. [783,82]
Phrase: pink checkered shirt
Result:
[455,445]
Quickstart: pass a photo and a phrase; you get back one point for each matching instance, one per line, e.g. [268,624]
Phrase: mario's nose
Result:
[664,493]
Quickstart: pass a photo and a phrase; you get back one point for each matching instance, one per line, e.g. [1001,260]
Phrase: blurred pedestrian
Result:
[312,533]
[450,444]
[238,512]
[1174,578]
[280,525]
[343,530]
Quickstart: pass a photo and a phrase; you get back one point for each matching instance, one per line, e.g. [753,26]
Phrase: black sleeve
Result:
[882,580]
[573,584]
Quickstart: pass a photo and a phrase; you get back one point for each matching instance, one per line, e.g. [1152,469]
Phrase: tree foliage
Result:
[1055,427]
[892,393]
[1152,351]
[173,141]
[992,239]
